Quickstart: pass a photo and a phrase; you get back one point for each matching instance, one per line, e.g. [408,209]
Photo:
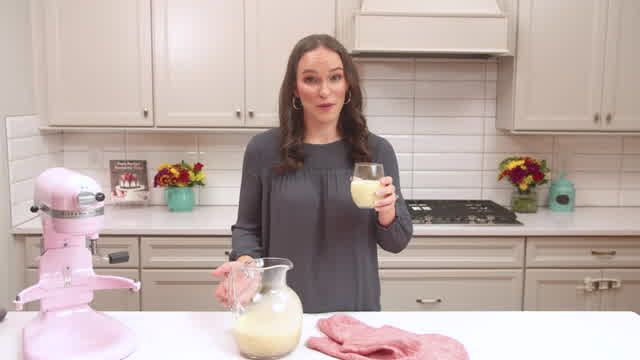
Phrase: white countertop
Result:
[486,335]
[217,220]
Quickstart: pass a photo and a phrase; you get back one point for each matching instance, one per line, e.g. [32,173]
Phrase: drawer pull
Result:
[428,301]
[603,253]
[227,252]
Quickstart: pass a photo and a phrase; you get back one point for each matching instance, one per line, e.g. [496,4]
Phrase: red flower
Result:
[197,167]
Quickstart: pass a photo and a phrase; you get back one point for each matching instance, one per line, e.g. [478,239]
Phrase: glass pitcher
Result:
[267,313]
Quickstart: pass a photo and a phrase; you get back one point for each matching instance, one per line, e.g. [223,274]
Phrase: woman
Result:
[295,197]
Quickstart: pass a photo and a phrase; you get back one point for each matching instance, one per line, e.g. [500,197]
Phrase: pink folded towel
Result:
[350,339]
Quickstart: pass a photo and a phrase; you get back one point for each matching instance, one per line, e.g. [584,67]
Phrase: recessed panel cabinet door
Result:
[627,296]
[561,289]
[179,290]
[621,109]
[272,29]
[560,64]
[103,300]
[198,62]
[98,56]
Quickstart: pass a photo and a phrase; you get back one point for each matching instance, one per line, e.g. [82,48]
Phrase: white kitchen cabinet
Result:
[98,62]
[627,296]
[187,252]
[104,300]
[220,63]
[560,289]
[574,69]
[179,290]
[477,289]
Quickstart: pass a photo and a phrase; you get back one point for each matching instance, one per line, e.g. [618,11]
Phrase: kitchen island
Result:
[486,335]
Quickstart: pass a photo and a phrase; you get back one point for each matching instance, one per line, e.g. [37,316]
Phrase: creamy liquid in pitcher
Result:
[363,192]
[262,332]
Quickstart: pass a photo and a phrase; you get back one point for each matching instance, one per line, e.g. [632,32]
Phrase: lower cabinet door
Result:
[104,300]
[179,290]
[627,296]
[412,290]
[561,289]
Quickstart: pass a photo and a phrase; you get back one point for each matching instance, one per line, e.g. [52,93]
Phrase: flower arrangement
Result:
[524,172]
[179,175]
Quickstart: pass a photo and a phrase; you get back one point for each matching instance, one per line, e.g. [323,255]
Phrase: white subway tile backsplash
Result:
[519,144]
[629,197]
[406,179]
[23,126]
[387,89]
[591,197]
[594,180]
[458,194]
[630,180]
[390,125]
[25,169]
[400,143]
[102,141]
[20,212]
[492,71]
[607,163]
[447,144]
[449,107]
[448,125]
[22,191]
[490,90]
[405,161]
[490,108]
[25,147]
[76,159]
[631,162]
[631,144]
[492,160]
[490,181]
[449,70]
[389,107]
[447,179]
[387,69]
[160,142]
[223,178]
[567,145]
[450,89]
[222,160]
[223,142]
[219,196]
[461,161]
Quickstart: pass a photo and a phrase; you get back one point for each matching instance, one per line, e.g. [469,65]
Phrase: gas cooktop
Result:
[471,212]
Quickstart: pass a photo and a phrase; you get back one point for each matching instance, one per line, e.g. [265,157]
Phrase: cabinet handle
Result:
[145,112]
[251,113]
[238,113]
[603,253]
[608,118]
[227,252]
[428,301]
[596,117]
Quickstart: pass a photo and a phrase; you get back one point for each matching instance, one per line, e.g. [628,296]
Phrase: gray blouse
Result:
[308,217]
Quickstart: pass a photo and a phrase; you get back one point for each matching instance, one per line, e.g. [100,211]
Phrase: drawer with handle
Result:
[184,252]
[569,252]
[460,289]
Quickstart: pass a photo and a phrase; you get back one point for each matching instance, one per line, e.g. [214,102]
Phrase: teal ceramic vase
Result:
[562,195]
[179,198]
[524,202]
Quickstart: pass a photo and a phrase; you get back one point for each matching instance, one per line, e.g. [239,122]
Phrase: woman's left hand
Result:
[386,207]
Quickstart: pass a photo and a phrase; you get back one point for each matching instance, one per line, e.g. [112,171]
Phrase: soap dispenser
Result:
[562,195]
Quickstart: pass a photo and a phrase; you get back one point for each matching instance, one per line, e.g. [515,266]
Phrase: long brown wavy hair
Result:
[352,125]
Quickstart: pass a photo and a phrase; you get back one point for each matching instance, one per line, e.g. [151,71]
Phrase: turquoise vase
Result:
[179,198]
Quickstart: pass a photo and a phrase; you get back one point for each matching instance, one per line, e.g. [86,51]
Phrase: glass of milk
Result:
[364,184]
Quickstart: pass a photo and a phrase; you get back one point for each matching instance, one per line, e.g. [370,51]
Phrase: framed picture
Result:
[129,181]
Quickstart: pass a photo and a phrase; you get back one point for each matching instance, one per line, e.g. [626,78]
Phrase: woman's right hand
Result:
[246,286]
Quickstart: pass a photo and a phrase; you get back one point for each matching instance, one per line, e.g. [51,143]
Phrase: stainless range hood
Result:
[477,27]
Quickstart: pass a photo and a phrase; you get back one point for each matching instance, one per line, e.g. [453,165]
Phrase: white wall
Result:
[16,98]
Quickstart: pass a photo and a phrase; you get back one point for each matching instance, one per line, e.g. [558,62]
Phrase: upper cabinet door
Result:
[98,56]
[272,29]
[560,64]
[621,107]
[199,62]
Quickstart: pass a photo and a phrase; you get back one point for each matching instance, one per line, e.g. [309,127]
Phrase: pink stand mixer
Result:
[66,327]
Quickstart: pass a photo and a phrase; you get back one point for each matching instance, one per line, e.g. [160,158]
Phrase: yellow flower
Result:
[199,176]
[523,186]
[514,164]
[163,166]
[528,180]
[174,172]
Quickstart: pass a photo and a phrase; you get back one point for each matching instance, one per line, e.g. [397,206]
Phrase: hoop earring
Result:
[348,100]
[293,101]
